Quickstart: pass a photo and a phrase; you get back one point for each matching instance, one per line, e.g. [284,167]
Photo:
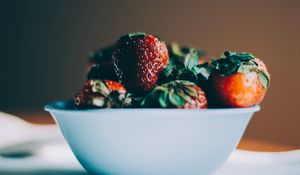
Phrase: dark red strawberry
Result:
[102,72]
[102,56]
[101,65]
[176,94]
[238,80]
[101,94]
[138,58]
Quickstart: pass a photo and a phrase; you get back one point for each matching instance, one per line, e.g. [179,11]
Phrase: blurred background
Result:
[45,44]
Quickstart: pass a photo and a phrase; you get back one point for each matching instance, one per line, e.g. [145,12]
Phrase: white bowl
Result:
[151,141]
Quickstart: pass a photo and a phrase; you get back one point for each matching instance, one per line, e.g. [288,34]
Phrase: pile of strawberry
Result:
[140,70]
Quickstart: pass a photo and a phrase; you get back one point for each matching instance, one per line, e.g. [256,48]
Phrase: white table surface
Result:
[58,159]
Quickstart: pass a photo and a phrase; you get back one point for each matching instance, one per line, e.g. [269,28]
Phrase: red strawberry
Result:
[101,94]
[176,94]
[138,58]
[238,80]
[115,86]
[101,64]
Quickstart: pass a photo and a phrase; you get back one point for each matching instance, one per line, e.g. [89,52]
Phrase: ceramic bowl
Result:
[151,141]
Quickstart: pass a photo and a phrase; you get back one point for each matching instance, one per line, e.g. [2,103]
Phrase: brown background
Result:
[44,45]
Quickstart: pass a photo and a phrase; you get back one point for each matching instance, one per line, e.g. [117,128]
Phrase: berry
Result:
[138,58]
[102,72]
[115,86]
[101,65]
[101,94]
[238,80]
[176,94]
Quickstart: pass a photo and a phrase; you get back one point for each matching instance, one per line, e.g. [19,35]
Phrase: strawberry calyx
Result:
[174,94]
[132,36]
[176,72]
[97,94]
[184,56]
[232,62]
[136,34]
[184,65]
[139,35]
[203,72]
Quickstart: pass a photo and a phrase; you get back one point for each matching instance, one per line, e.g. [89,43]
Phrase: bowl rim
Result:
[59,107]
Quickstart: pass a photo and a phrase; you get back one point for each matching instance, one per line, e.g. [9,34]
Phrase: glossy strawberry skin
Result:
[238,90]
[115,86]
[237,80]
[138,59]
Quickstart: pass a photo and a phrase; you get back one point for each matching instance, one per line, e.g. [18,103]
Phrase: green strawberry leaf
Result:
[137,34]
[173,72]
[187,74]
[183,56]
[163,99]
[176,99]
[202,71]
[191,92]
[191,59]
[227,54]
[227,66]
[176,56]
[171,95]
[176,50]
[264,79]
[182,94]
[247,67]
[150,99]
[244,56]
[232,62]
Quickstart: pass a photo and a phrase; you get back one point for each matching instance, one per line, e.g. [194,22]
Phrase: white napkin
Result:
[17,135]
[48,160]
[51,154]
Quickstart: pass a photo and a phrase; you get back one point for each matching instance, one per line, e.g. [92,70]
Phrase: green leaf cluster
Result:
[171,95]
[184,65]
[232,62]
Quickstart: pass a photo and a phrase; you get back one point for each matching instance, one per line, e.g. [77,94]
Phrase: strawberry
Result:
[238,80]
[101,94]
[102,56]
[176,94]
[115,86]
[101,65]
[138,58]
[102,72]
